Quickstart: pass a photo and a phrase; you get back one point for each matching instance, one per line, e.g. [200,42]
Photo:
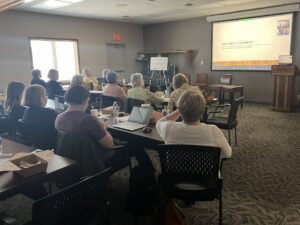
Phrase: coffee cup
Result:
[94,112]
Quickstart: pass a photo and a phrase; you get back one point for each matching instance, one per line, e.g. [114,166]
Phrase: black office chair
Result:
[108,101]
[191,173]
[131,102]
[89,154]
[79,204]
[230,121]
[37,137]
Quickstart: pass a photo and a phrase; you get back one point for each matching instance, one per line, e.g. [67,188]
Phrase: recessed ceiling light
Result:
[188,4]
[70,1]
[51,4]
[122,5]
[125,17]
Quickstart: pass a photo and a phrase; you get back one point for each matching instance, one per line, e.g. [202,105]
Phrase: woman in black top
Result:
[40,118]
[13,110]
[36,78]
[53,87]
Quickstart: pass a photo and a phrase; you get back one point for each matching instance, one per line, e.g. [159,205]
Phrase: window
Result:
[55,54]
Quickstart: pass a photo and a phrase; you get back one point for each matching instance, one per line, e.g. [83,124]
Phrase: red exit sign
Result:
[117,37]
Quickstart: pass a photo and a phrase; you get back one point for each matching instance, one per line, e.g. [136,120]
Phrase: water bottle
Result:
[116,109]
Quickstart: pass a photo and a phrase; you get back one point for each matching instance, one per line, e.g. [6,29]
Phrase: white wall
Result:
[16,27]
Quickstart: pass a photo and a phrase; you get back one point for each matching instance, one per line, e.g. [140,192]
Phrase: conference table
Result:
[231,89]
[138,137]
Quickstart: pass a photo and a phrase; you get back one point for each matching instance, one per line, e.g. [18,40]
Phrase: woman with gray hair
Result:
[53,87]
[139,92]
[112,88]
[77,79]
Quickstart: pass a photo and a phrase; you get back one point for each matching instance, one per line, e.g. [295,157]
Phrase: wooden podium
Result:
[284,87]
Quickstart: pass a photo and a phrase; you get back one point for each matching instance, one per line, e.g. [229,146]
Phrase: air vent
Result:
[7,4]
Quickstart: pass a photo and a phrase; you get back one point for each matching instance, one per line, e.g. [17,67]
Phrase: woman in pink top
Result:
[112,88]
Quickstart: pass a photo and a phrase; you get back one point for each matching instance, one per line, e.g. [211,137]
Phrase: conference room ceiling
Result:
[145,11]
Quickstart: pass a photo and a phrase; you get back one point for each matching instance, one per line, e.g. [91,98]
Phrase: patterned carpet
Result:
[261,181]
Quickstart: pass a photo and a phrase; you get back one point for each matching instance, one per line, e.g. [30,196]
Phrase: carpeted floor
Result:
[261,181]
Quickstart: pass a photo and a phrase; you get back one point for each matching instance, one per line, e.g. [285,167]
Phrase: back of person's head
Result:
[86,72]
[36,73]
[77,95]
[14,94]
[77,79]
[191,106]
[34,96]
[53,74]
[105,72]
[178,80]
[137,80]
[112,77]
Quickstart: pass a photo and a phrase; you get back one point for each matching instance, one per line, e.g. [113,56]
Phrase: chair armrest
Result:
[223,106]
[215,111]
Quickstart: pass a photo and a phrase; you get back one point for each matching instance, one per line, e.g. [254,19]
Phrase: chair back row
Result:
[76,204]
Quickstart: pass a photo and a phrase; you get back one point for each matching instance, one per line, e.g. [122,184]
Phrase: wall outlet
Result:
[298,97]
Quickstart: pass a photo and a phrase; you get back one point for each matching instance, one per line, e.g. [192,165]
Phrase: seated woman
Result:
[36,78]
[139,92]
[76,121]
[12,106]
[180,84]
[14,95]
[40,117]
[90,81]
[113,89]
[53,87]
[77,79]
[191,106]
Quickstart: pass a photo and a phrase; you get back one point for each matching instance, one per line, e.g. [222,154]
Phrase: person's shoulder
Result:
[88,117]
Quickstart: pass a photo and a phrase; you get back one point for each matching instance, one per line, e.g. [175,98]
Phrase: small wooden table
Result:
[11,183]
[231,89]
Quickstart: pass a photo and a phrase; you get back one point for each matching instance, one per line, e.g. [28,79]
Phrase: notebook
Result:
[138,119]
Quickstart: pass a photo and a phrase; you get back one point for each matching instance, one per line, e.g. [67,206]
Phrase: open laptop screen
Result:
[140,115]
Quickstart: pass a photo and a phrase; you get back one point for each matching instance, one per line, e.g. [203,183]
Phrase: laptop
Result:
[138,119]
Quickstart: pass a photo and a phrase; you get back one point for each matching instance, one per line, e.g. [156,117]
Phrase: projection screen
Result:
[251,43]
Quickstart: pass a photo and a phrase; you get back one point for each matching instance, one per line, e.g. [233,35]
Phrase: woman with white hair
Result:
[53,87]
[191,106]
[77,79]
[112,88]
[139,92]
[90,81]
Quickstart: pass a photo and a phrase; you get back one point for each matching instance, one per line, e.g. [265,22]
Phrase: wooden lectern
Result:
[284,87]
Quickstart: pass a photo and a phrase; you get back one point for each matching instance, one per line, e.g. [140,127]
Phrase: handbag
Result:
[172,214]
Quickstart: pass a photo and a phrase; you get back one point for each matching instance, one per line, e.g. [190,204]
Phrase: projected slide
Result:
[252,43]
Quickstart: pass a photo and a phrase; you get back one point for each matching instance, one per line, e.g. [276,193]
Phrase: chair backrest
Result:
[226,79]
[38,137]
[131,102]
[186,162]
[75,205]
[234,109]
[202,78]
[107,101]
[84,150]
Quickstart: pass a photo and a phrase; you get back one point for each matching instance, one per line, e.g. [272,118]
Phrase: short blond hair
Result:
[137,80]
[33,95]
[191,106]
[179,79]
[53,74]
